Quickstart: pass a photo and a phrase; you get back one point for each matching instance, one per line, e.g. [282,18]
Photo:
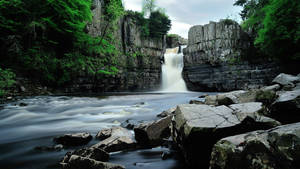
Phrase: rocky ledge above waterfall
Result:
[213,59]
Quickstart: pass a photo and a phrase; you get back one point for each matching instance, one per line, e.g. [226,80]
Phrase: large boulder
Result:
[286,80]
[115,139]
[92,153]
[77,162]
[287,107]
[196,128]
[152,134]
[272,149]
[77,139]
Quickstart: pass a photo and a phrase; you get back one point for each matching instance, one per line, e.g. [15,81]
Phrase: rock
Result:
[203,96]
[77,162]
[297,86]
[152,134]
[234,97]
[212,59]
[286,108]
[92,153]
[115,131]
[196,102]
[115,139]
[196,128]
[77,139]
[274,88]
[116,143]
[58,147]
[23,104]
[22,89]
[130,124]
[270,149]
[286,80]
[166,113]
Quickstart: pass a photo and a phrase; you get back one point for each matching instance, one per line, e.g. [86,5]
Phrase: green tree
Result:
[159,24]
[280,35]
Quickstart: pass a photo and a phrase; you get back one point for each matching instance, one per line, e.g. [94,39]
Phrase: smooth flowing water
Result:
[22,128]
[172,80]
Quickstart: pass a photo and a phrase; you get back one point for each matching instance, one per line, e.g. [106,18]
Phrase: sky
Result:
[187,13]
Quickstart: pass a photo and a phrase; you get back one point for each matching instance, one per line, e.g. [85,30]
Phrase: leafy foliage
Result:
[275,25]
[148,6]
[51,39]
[280,35]
[156,26]
[159,24]
[6,80]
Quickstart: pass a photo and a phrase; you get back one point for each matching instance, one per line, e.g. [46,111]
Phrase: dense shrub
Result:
[6,80]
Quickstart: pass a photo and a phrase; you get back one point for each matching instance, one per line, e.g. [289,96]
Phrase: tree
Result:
[159,24]
[280,35]
[148,7]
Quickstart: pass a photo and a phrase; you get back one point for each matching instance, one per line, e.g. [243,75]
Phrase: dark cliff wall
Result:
[212,59]
[139,60]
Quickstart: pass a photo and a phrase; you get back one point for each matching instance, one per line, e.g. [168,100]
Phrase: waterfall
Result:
[172,80]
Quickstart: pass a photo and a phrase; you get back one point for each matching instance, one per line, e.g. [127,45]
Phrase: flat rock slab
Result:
[77,162]
[166,113]
[77,139]
[286,80]
[270,149]
[234,97]
[116,143]
[196,128]
[152,134]
[91,153]
[115,131]
[286,108]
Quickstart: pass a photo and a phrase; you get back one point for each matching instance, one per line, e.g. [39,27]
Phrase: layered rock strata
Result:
[213,59]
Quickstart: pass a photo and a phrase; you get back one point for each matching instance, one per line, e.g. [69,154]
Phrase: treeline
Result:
[47,39]
[275,27]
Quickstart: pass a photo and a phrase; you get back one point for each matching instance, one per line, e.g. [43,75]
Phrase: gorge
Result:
[86,84]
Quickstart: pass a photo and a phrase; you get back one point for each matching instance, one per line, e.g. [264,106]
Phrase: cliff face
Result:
[139,60]
[212,59]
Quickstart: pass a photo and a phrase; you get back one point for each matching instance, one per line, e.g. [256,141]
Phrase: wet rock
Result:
[92,153]
[77,139]
[196,102]
[58,147]
[77,162]
[115,139]
[203,96]
[196,128]
[271,149]
[130,124]
[274,88]
[297,87]
[116,143]
[286,80]
[234,97]
[152,134]
[167,154]
[115,131]
[166,113]
[23,104]
[286,108]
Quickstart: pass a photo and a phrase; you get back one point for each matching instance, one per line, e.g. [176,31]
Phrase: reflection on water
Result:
[23,128]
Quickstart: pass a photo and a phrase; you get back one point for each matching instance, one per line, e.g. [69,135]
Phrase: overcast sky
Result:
[186,13]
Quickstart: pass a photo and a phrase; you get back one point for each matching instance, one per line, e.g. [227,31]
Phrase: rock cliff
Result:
[139,60]
[212,59]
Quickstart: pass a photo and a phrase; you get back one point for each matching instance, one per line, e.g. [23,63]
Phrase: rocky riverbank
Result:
[240,129]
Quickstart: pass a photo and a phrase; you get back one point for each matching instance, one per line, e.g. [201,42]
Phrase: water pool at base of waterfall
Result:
[23,128]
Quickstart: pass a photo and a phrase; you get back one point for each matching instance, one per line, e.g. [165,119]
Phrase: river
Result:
[22,128]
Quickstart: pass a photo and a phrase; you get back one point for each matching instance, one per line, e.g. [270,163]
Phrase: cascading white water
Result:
[172,80]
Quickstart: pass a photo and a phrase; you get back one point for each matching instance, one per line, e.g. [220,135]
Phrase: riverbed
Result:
[35,121]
